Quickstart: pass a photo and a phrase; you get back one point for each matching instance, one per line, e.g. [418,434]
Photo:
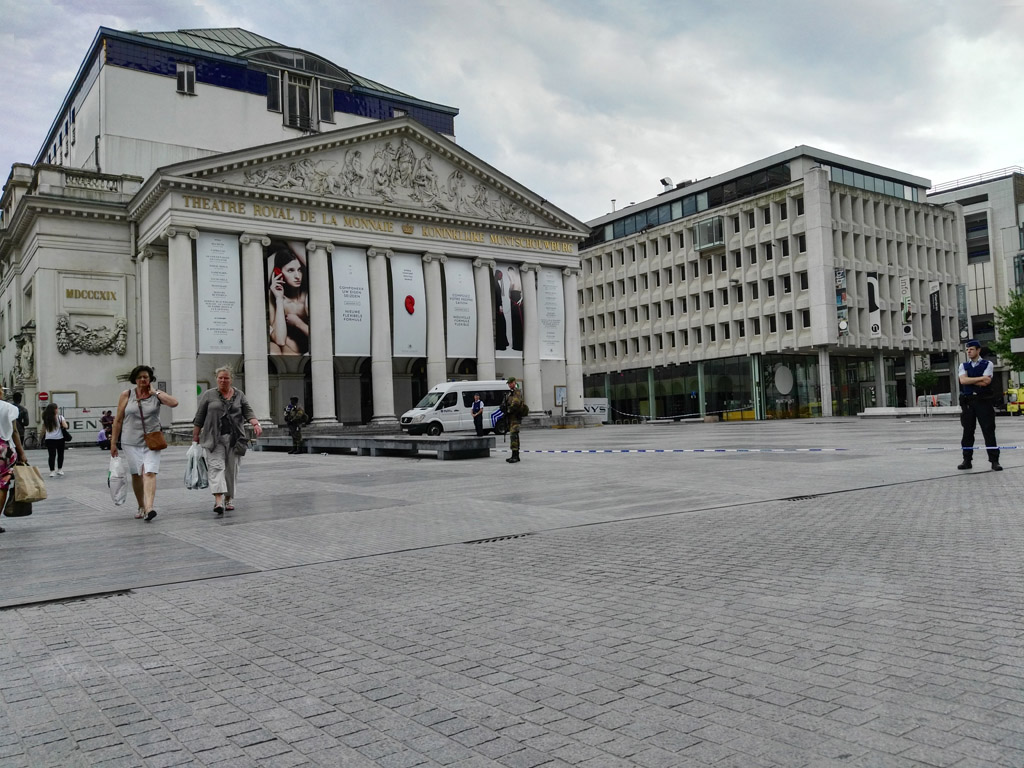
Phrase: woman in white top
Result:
[11,451]
[54,424]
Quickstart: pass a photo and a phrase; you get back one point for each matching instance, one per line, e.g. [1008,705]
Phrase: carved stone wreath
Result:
[94,341]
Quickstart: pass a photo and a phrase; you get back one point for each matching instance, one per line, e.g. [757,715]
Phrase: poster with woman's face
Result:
[287,298]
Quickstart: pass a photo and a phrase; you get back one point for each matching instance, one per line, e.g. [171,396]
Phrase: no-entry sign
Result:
[44,396]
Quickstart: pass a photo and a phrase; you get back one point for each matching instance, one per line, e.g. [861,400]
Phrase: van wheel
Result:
[501,427]
[434,430]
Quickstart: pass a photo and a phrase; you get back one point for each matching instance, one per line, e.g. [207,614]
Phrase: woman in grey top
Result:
[138,412]
[219,426]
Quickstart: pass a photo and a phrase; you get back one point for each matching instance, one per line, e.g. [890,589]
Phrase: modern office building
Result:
[993,205]
[213,197]
[803,284]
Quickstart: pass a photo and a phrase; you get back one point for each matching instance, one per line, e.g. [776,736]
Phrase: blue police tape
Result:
[755,450]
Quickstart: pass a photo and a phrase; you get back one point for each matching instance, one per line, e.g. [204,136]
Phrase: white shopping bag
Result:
[196,474]
[117,480]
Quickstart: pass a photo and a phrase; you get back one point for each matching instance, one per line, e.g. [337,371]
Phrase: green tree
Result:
[1009,325]
[925,381]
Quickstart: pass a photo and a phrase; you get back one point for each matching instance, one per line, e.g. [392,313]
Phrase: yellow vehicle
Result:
[1015,401]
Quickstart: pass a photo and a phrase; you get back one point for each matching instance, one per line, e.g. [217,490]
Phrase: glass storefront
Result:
[728,391]
[790,386]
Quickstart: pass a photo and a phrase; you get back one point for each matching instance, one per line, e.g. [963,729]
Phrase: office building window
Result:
[737,259]
[752,254]
[772,324]
[751,222]
[741,329]
[805,318]
[755,326]
[769,286]
[186,78]
[787,284]
[799,206]
[768,255]
[802,243]
[753,291]
[784,247]
[804,283]
[327,103]
[735,225]
[788,318]
[766,214]
[783,212]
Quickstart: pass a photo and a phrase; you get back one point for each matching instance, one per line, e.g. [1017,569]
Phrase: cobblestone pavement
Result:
[858,605]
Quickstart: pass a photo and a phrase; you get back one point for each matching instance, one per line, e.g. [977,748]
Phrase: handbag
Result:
[155,441]
[28,483]
[68,437]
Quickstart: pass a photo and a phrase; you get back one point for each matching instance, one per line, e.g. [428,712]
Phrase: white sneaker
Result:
[60,472]
[52,473]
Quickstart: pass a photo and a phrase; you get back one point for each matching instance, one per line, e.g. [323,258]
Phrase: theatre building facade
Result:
[211,197]
[354,270]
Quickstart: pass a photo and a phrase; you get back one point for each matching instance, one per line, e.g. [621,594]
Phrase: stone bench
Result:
[444,446]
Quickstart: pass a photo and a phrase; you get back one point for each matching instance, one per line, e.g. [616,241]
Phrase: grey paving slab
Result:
[858,605]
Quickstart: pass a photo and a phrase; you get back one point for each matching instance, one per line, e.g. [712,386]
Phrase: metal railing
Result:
[977,179]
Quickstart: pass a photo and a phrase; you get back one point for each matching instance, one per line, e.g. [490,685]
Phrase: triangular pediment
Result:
[396,165]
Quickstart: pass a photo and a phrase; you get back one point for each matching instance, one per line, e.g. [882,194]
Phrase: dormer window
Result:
[187,79]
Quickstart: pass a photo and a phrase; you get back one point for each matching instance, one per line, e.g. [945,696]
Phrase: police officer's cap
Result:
[974,343]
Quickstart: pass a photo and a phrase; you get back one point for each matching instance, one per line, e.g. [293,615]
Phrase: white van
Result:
[447,408]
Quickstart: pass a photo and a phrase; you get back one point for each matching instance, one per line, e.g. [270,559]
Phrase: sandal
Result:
[229,507]
[141,514]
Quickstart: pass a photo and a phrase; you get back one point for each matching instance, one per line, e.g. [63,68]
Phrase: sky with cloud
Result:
[585,101]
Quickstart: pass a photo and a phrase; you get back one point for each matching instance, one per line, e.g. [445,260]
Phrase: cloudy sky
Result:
[584,101]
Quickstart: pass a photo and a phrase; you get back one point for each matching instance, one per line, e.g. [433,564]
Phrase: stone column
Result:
[321,338]
[182,318]
[437,359]
[573,352]
[485,366]
[145,302]
[380,338]
[532,385]
[910,369]
[825,381]
[255,347]
[880,399]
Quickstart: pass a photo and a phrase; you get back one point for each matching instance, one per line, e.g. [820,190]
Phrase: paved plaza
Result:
[732,596]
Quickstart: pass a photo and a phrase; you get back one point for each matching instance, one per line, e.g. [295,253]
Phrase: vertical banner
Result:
[842,312]
[874,310]
[936,310]
[508,311]
[351,302]
[551,314]
[961,312]
[906,307]
[288,298]
[219,294]
[409,304]
[460,296]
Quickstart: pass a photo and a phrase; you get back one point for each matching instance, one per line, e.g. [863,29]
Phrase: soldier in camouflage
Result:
[515,408]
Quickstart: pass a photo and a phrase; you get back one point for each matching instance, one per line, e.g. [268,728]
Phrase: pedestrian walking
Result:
[54,439]
[478,415]
[977,406]
[11,450]
[515,409]
[138,412]
[219,426]
[22,422]
[295,418]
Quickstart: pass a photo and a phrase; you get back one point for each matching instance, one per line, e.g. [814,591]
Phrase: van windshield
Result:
[430,400]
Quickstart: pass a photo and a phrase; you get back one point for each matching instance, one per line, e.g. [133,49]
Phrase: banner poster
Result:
[460,295]
[874,310]
[842,313]
[906,308]
[936,310]
[551,314]
[219,294]
[409,305]
[351,302]
[508,311]
[287,298]
[961,312]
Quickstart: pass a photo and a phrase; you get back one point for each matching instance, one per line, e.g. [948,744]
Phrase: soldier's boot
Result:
[968,460]
[514,458]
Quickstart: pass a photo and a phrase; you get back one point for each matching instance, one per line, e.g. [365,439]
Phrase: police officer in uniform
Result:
[514,408]
[977,405]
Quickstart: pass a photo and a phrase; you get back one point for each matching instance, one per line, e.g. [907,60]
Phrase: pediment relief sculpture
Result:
[394,172]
